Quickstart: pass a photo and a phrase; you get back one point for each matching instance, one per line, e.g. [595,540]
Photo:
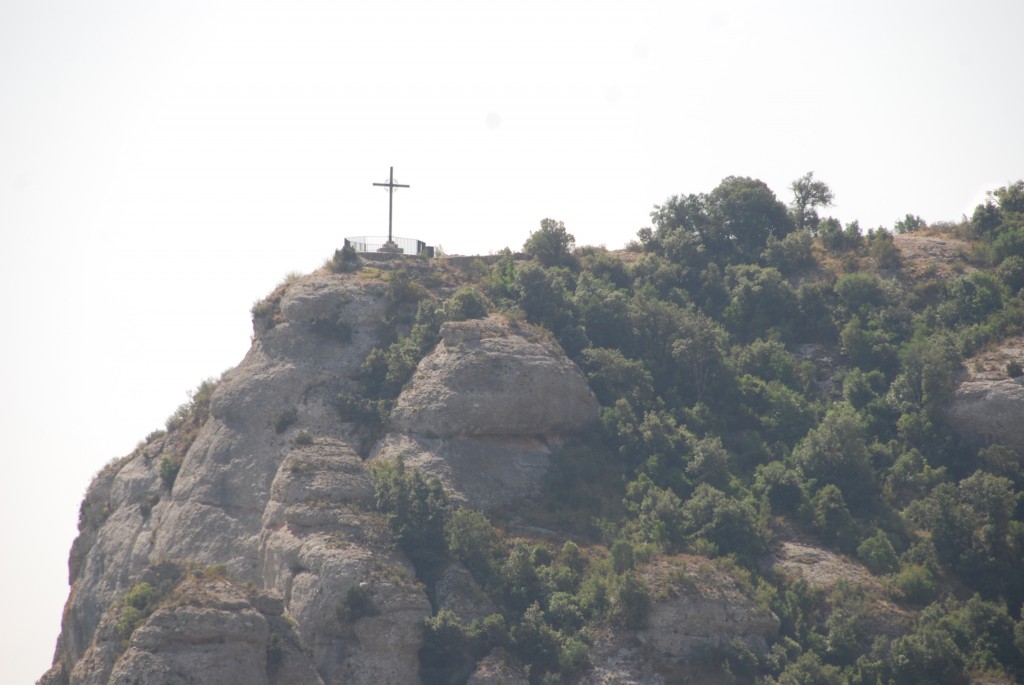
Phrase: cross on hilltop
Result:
[391,185]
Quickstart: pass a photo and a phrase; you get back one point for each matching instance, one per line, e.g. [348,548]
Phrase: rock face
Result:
[490,378]
[228,549]
[292,518]
[990,411]
[485,409]
[701,607]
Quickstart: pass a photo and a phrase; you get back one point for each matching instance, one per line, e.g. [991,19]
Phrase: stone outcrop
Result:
[292,518]
[485,410]
[990,411]
[699,607]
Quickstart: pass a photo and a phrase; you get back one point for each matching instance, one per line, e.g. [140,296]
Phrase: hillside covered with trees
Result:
[765,374]
[758,445]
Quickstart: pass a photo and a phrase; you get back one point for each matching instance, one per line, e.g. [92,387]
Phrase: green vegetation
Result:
[182,430]
[761,370]
[136,606]
[344,260]
[358,603]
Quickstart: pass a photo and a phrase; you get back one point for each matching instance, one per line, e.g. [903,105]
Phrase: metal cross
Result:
[390,185]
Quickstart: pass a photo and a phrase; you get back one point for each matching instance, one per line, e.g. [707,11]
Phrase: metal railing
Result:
[407,246]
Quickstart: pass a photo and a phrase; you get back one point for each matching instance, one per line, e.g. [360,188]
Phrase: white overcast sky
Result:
[164,164]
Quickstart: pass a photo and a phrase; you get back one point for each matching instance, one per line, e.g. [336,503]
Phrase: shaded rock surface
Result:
[990,411]
[485,410]
[988,405]
[488,377]
[700,607]
[292,518]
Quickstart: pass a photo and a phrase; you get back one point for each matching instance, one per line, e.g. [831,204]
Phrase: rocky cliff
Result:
[244,544]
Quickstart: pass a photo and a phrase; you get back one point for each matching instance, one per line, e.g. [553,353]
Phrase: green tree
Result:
[908,224]
[417,510]
[970,299]
[762,302]
[473,541]
[971,524]
[728,523]
[551,245]
[877,553]
[544,296]
[604,312]
[748,213]
[835,452]
[830,515]
[612,376]
[466,303]
[808,195]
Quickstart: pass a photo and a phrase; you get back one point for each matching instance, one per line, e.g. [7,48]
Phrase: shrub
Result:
[551,245]
[877,553]
[914,584]
[1011,273]
[137,605]
[883,249]
[790,254]
[386,369]
[285,420]
[630,601]
[1014,369]
[451,648]
[473,541]
[155,435]
[534,641]
[304,438]
[417,510]
[357,604]
[344,260]
[263,309]
[169,467]
[466,303]
[332,328]
[622,556]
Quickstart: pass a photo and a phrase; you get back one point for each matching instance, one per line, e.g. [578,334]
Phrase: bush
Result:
[417,510]
[551,245]
[1014,369]
[473,541]
[304,438]
[622,556]
[358,603]
[344,260]
[285,420]
[1011,273]
[466,303]
[137,605]
[630,601]
[914,584]
[877,553]
[332,328]
[883,249]
[451,648]
[169,467]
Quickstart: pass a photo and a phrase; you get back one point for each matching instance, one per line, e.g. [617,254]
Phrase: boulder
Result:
[990,411]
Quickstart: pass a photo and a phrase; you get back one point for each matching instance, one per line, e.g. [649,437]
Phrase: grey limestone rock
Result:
[990,411]
[486,409]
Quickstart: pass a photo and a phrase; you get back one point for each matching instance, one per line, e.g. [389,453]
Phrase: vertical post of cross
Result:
[390,185]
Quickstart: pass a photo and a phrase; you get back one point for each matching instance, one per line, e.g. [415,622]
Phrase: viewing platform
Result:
[396,245]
